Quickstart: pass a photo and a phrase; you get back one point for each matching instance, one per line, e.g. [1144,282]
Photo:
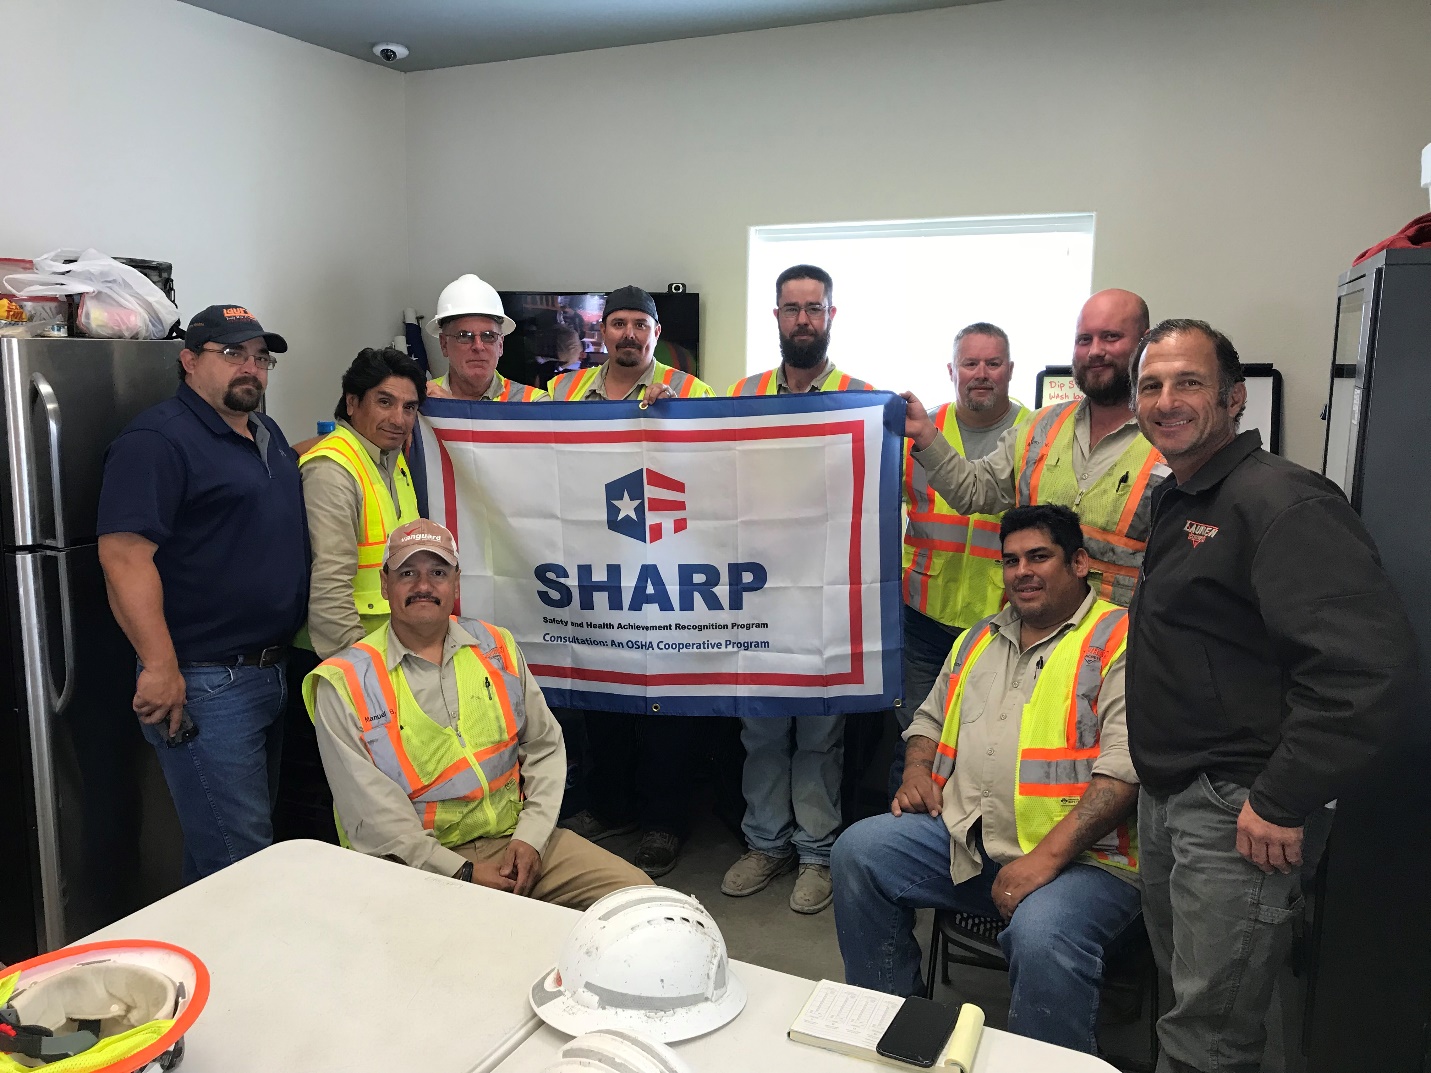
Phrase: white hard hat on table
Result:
[469,296]
[612,1050]
[644,959]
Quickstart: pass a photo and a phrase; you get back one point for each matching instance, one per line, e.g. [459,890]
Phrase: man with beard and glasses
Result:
[952,576]
[204,546]
[1087,454]
[793,764]
[469,781]
[640,769]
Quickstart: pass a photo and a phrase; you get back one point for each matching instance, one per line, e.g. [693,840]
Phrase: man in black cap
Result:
[640,769]
[204,545]
[630,329]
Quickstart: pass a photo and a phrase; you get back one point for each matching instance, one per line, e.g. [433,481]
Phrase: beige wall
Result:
[270,172]
[1237,155]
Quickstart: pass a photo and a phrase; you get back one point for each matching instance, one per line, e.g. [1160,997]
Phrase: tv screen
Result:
[561,330]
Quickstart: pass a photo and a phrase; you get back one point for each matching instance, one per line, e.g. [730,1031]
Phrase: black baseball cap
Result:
[227,324]
[630,297]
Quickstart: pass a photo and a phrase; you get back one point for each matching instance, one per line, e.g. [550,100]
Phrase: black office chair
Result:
[1130,981]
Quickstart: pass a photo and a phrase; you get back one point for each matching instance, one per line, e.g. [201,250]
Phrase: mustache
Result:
[628,344]
[246,380]
[424,596]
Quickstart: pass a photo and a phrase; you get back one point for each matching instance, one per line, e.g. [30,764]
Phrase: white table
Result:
[325,959]
[756,1040]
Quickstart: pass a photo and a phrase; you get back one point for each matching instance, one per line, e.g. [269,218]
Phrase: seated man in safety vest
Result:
[1018,797]
[439,747]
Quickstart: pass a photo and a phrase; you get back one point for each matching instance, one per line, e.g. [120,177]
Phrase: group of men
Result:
[1096,769]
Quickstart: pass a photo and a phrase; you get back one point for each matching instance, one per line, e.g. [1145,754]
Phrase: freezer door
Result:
[106,840]
[65,400]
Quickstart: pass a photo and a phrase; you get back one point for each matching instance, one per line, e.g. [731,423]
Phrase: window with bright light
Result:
[904,288]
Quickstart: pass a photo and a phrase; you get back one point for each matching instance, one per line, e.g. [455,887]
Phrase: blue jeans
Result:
[791,783]
[927,644]
[1219,926]
[886,867]
[224,782]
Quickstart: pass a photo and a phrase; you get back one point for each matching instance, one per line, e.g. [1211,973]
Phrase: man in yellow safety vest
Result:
[952,571]
[470,326]
[440,749]
[793,768]
[1018,797]
[640,769]
[1086,454]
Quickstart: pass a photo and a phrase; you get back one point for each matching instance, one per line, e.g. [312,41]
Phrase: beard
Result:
[804,354]
[243,394]
[1117,390]
[978,406]
[628,354]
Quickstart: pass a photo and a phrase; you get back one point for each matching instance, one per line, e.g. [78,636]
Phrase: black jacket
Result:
[1266,645]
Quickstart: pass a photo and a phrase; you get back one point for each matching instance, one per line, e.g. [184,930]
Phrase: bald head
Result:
[1110,326]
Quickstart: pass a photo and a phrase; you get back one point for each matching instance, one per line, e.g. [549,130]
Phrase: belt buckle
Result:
[269,656]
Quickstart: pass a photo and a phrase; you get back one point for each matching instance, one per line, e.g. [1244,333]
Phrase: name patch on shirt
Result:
[1199,531]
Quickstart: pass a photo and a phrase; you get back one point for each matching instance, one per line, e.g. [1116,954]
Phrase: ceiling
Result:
[450,33]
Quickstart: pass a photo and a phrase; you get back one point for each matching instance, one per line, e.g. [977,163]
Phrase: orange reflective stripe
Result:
[688,387]
[1043,451]
[953,755]
[767,384]
[840,385]
[1052,789]
[429,815]
[393,729]
[355,690]
[1135,493]
[371,526]
[1059,753]
[1116,539]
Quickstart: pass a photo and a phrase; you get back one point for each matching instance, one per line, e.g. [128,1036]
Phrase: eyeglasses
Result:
[235,355]
[813,310]
[469,339]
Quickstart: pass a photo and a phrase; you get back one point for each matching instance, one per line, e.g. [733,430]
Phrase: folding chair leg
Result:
[936,947]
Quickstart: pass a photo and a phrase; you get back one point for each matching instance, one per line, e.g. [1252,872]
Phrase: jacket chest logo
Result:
[1199,531]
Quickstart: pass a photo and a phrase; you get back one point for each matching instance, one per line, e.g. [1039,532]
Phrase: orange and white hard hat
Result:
[110,1007]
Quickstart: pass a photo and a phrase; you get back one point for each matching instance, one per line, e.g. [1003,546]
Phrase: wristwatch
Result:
[464,873]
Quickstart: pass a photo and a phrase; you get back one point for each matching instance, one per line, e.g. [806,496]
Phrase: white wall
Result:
[1238,155]
[270,172]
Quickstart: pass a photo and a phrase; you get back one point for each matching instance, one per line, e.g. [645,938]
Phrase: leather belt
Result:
[265,657]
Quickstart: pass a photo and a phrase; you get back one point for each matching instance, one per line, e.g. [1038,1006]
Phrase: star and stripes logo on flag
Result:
[633,501]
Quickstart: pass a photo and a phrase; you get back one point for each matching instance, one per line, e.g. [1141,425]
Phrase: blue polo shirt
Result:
[227,515]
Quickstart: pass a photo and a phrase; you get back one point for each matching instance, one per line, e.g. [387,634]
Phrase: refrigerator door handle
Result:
[59,695]
[52,422]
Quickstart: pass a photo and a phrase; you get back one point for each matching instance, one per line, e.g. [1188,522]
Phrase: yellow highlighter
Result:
[964,1043]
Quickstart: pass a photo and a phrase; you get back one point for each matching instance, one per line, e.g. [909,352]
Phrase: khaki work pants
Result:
[575,873]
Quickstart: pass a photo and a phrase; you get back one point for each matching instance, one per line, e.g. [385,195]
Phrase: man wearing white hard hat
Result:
[470,327]
[440,749]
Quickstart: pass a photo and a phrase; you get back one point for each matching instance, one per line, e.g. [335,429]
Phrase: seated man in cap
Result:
[441,752]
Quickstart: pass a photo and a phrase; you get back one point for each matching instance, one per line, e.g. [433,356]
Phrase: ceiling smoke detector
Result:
[390,51]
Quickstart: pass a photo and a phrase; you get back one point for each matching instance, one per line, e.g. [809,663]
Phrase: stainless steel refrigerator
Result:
[87,829]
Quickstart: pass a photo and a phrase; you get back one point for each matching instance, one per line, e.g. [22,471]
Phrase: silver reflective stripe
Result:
[380,745]
[1055,772]
[944,765]
[1042,425]
[1116,554]
[1089,680]
[484,633]
[624,1000]
[750,385]
[466,782]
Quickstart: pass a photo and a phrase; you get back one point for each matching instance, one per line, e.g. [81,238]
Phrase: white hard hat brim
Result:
[431,327]
[558,1009]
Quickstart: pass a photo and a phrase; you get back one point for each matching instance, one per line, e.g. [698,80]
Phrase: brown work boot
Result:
[813,890]
[753,873]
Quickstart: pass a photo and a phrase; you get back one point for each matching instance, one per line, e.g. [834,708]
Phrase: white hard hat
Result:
[60,1005]
[469,296]
[614,1051]
[646,959]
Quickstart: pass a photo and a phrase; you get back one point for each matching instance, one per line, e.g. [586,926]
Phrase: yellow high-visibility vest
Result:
[507,390]
[1116,511]
[463,783]
[767,383]
[1059,730]
[573,386]
[378,518]
[952,569]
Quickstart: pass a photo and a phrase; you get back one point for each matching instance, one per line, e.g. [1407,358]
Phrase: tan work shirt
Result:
[989,485]
[597,390]
[495,387]
[377,815]
[334,504]
[999,684]
[782,386]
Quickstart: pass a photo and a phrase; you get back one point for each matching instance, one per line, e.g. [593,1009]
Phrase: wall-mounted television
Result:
[561,330]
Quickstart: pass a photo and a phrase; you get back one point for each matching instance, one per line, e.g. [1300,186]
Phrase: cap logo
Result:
[237,313]
[422,536]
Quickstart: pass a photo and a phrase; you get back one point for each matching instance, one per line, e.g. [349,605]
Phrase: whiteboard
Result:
[1264,398]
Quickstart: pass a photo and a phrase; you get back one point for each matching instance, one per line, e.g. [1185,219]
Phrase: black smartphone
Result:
[919,1032]
[187,732]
